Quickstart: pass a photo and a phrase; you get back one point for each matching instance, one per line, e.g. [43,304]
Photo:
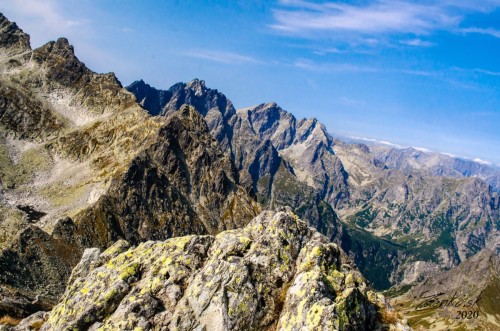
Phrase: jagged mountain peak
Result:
[198,86]
[271,122]
[13,40]
[259,139]
[63,66]
[313,129]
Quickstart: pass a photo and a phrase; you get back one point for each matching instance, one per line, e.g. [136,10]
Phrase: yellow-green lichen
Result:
[314,315]
[130,270]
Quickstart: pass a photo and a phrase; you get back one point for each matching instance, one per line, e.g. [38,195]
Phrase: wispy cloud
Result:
[376,19]
[44,20]
[332,67]
[476,70]
[487,31]
[382,16]
[413,72]
[222,57]
[487,72]
[416,42]
[350,101]
[355,68]
[326,51]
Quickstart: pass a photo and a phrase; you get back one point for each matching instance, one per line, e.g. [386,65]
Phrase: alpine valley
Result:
[144,209]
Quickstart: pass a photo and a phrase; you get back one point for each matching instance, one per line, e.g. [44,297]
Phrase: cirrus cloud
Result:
[379,18]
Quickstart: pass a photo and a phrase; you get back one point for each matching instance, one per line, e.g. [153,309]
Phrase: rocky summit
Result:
[274,274]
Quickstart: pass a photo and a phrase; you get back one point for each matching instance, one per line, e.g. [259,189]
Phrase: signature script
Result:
[443,300]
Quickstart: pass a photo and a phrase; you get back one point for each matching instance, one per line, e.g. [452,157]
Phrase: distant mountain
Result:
[410,159]
[436,164]
[389,206]
[463,298]
[427,223]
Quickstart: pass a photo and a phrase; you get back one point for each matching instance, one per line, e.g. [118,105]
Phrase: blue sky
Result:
[415,73]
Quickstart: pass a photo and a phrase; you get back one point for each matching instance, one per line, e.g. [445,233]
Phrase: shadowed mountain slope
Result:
[83,165]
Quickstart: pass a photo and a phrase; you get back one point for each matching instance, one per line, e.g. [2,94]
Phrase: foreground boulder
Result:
[275,274]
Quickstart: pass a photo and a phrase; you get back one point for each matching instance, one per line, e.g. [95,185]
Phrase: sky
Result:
[414,73]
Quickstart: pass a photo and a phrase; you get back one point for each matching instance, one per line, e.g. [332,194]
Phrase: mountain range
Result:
[135,207]
[426,212]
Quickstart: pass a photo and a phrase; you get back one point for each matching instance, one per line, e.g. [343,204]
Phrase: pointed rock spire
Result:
[13,40]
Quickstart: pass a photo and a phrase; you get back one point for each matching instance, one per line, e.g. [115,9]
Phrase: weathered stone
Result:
[274,273]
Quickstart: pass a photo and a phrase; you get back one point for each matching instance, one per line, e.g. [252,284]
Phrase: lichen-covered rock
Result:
[274,274]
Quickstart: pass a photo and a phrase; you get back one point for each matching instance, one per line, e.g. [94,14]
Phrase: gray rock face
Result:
[258,140]
[428,223]
[305,145]
[270,122]
[275,273]
[36,124]
[13,41]
[78,151]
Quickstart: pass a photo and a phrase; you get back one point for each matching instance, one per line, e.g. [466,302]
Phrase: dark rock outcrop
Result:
[77,148]
[13,41]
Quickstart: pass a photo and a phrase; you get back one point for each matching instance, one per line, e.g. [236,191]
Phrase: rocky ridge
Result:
[274,274]
[259,140]
[424,220]
[83,165]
